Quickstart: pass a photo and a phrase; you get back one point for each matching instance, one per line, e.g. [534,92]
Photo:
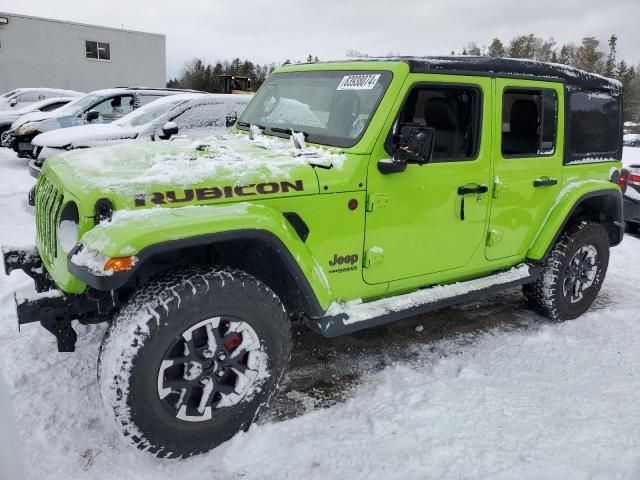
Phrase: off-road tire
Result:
[546,295]
[137,341]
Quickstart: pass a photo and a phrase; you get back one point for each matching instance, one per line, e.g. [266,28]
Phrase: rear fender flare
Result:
[569,202]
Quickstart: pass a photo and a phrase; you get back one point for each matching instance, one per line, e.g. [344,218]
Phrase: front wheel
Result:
[192,359]
[572,273]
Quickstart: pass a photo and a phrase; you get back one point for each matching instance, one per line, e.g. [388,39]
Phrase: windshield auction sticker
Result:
[358,82]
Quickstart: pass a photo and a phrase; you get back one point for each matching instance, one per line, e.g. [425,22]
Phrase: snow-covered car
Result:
[8,117]
[100,106]
[193,115]
[630,184]
[632,140]
[20,97]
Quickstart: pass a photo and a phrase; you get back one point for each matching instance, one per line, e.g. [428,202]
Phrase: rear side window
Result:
[529,123]
[52,106]
[453,113]
[595,121]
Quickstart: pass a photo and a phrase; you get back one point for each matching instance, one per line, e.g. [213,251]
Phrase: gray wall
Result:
[38,52]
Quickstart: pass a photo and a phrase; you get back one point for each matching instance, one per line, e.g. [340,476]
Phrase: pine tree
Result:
[610,65]
[496,49]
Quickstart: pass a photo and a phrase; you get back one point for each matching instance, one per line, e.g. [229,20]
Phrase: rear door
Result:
[528,156]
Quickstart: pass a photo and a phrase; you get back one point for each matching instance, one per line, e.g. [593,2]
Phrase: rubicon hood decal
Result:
[214,193]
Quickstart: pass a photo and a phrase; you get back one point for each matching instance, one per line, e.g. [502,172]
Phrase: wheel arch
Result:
[603,206]
[258,240]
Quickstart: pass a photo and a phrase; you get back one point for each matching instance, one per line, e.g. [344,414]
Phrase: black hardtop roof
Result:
[506,67]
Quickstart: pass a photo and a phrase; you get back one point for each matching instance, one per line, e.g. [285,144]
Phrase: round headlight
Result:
[69,227]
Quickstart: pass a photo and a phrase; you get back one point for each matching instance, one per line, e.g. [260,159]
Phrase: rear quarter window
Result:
[595,126]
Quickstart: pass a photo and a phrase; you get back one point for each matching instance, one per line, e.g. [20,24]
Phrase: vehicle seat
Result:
[523,137]
[442,115]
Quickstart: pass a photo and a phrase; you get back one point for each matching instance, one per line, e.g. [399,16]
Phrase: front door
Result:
[528,163]
[421,221]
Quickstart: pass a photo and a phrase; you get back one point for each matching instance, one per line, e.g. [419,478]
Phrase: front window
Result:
[331,107]
[79,105]
[115,107]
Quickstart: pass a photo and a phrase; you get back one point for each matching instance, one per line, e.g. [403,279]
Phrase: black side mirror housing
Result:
[13,102]
[92,115]
[168,130]
[387,165]
[230,120]
[414,144]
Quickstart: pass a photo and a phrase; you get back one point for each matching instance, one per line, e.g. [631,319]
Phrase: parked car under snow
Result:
[21,97]
[630,184]
[8,117]
[632,140]
[100,106]
[191,115]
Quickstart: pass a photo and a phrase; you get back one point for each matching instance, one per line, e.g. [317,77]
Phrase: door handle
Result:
[464,190]
[545,182]
[468,190]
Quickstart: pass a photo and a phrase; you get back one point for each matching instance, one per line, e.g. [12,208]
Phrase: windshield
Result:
[332,107]
[149,112]
[79,105]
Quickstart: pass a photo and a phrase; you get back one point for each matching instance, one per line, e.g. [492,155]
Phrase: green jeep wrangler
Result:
[349,195]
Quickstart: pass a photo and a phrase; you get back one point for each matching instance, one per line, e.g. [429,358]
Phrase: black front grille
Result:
[48,205]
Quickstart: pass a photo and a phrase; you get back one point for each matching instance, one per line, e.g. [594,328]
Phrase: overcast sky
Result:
[274,30]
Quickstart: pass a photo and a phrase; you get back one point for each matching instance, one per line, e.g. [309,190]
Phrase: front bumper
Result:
[52,308]
[35,167]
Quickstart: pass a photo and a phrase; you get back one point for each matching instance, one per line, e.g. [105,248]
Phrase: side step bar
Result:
[351,317]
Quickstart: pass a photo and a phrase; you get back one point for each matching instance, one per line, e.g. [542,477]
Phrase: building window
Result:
[98,50]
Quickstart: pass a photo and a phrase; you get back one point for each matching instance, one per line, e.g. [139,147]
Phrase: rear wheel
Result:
[192,359]
[572,273]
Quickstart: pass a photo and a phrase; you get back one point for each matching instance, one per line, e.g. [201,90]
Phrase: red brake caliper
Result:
[233,341]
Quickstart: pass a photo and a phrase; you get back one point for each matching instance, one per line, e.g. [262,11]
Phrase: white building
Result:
[41,52]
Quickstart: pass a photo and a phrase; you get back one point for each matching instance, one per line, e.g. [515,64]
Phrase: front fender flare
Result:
[147,232]
[566,203]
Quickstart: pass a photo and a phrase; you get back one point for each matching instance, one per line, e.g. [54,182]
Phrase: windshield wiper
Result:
[290,131]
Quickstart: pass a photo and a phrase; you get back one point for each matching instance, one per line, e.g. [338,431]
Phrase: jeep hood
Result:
[84,135]
[181,172]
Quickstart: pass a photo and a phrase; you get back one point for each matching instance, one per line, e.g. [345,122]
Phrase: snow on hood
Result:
[33,117]
[232,159]
[83,135]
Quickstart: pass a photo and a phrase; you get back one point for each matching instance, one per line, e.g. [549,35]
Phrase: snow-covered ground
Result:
[512,397]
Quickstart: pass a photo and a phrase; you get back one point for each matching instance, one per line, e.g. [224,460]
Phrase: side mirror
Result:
[388,165]
[414,144]
[92,115]
[169,129]
[231,120]
[13,102]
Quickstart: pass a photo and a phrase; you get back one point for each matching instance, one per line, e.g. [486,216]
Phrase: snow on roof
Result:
[68,93]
